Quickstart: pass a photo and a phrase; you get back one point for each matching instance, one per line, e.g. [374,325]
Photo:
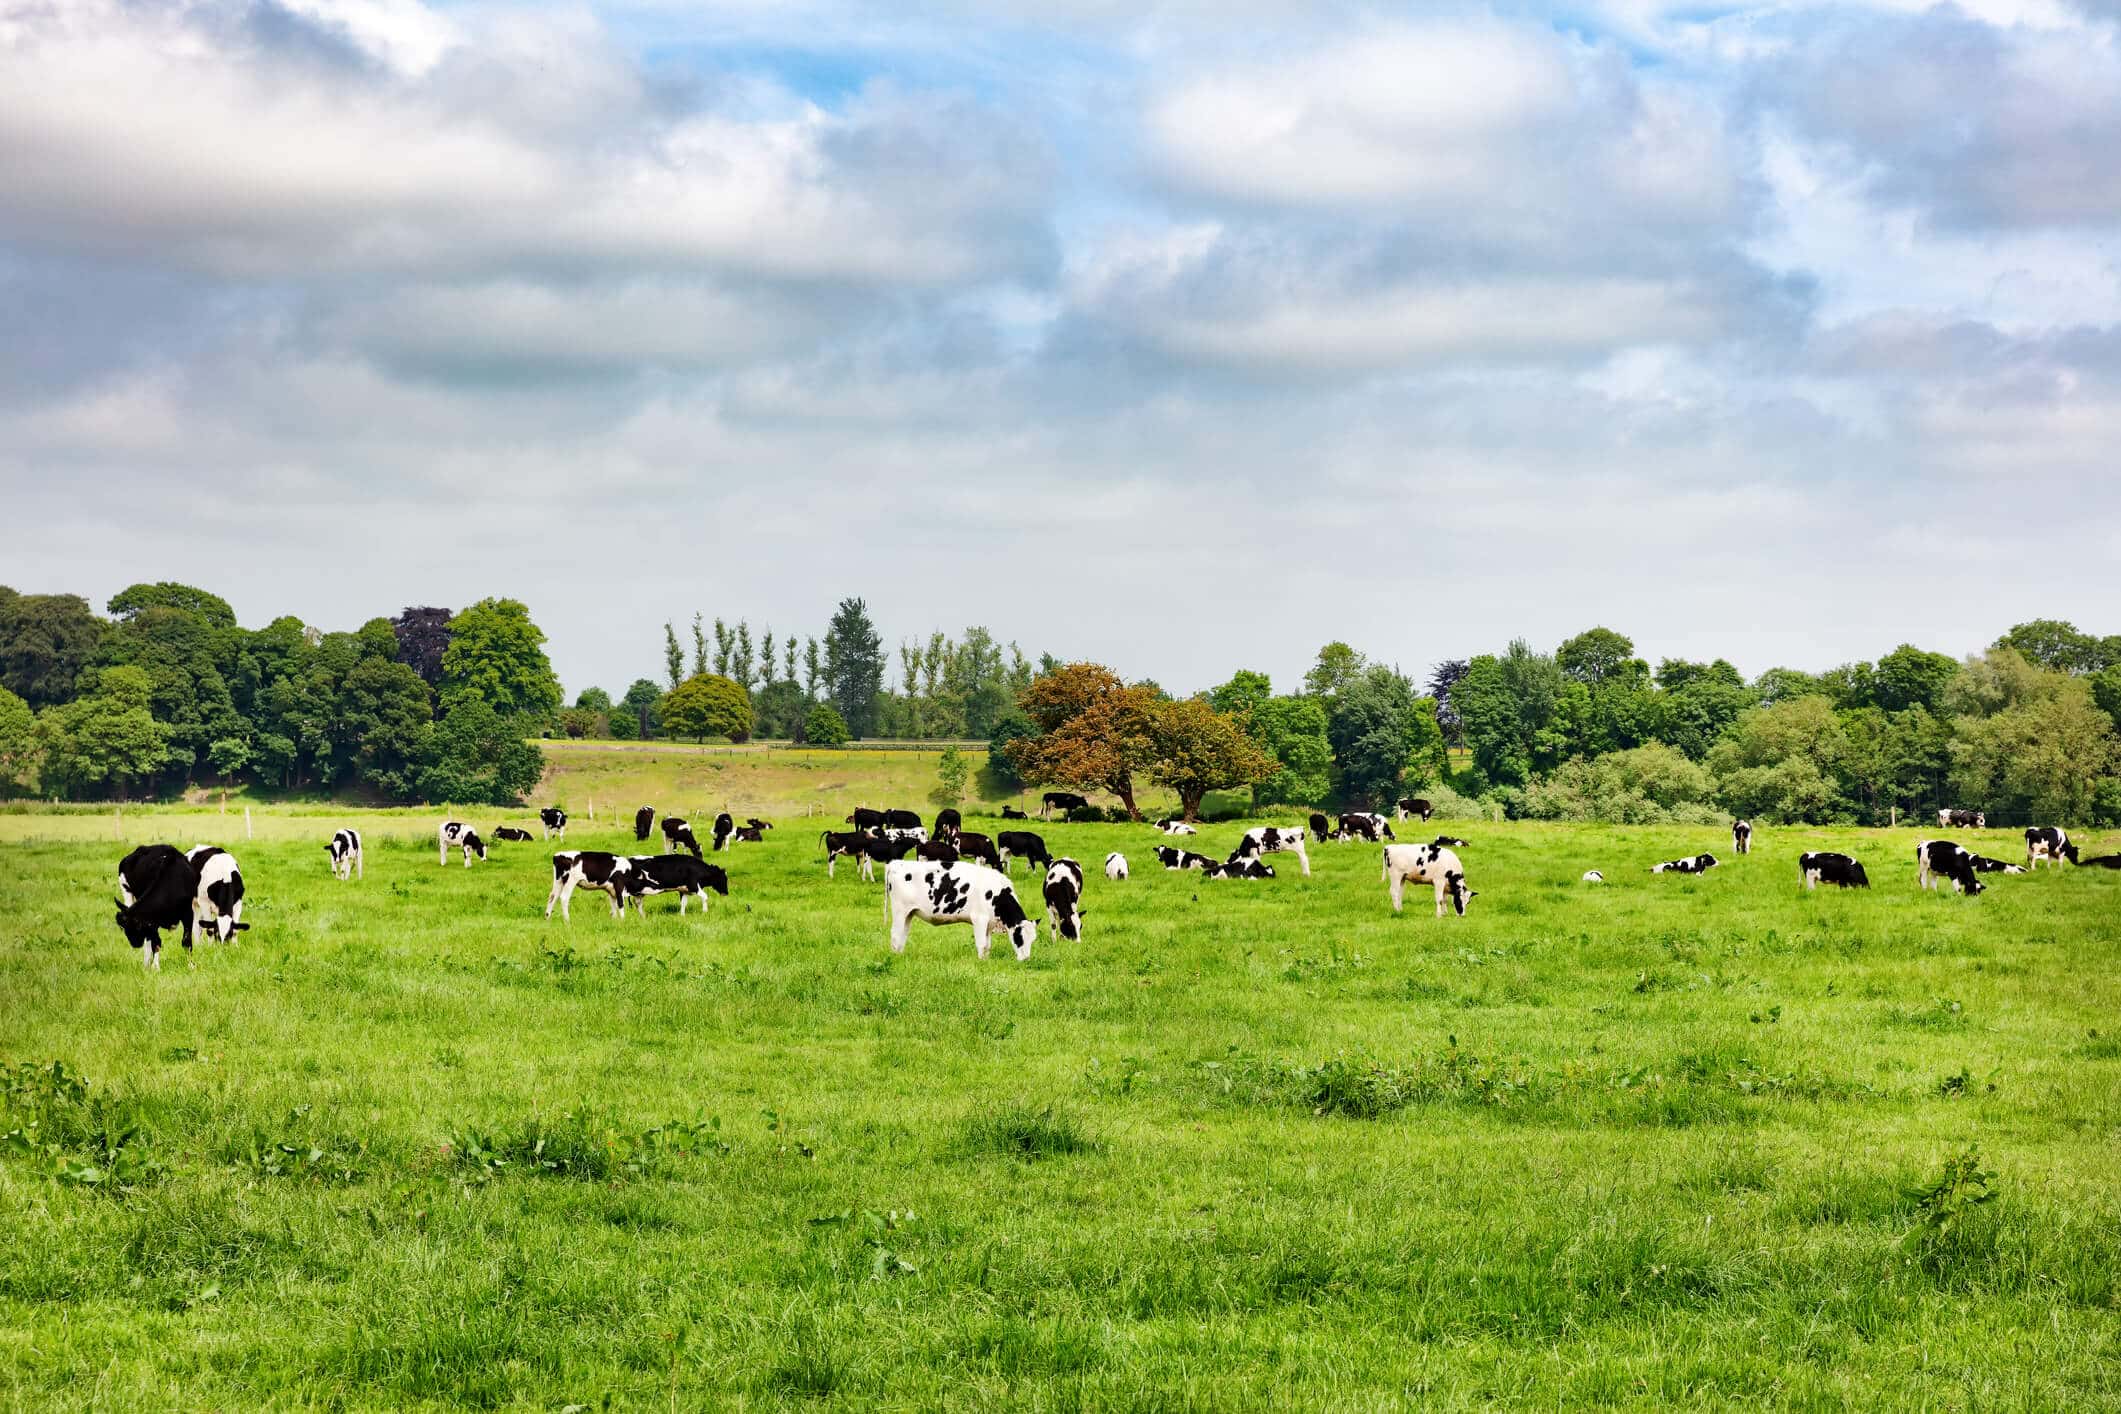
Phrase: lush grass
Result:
[1246,1145]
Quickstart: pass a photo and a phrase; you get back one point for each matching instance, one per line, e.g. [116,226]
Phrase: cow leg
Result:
[360,865]
[1439,898]
[441,850]
[899,915]
[982,925]
[556,894]
[830,860]
[868,870]
[1303,859]
[1398,882]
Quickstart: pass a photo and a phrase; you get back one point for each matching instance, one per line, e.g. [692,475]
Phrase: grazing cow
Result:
[345,851]
[1273,839]
[1593,876]
[2048,842]
[1172,857]
[554,820]
[753,822]
[1448,842]
[1239,869]
[724,827]
[871,850]
[1961,819]
[157,889]
[219,898]
[972,845]
[937,851]
[678,874]
[1014,842]
[1061,798]
[1064,894]
[1942,859]
[678,835]
[1172,826]
[1694,864]
[2101,861]
[1010,812]
[642,819]
[1362,825]
[1742,836]
[456,832]
[588,869]
[948,822]
[1321,827]
[507,833]
[864,818]
[1826,867]
[1412,806]
[1426,864]
[1116,866]
[957,893]
[901,820]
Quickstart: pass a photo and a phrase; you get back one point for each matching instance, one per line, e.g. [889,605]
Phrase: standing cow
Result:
[1742,836]
[1426,864]
[2048,842]
[456,832]
[345,851]
[957,893]
[554,821]
[643,818]
[1064,896]
[1274,839]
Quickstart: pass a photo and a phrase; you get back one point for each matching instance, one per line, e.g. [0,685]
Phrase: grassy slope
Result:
[1617,1184]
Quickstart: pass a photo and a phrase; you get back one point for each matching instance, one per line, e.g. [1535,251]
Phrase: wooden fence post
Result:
[246,822]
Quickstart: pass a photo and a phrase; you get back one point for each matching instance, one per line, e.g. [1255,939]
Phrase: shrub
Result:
[825,726]
[707,705]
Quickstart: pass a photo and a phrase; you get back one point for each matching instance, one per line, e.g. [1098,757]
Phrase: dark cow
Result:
[1321,827]
[1742,837]
[507,833]
[1694,864]
[936,851]
[1172,857]
[871,850]
[679,874]
[747,834]
[1064,893]
[1426,864]
[1010,812]
[957,893]
[157,889]
[2101,861]
[2048,842]
[1239,869]
[1942,859]
[753,822]
[587,869]
[1274,839]
[1015,842]
[972,845]
[1172,826]
[345,851]
[554,820]
[1412,806]
[642,819]
[1961,820]
[678,835]
[1362,825]
[219,899]
[902,820]
[1448,842]
[456,832]
[864,818]
[948,822]
[724,827]
[1060,798]
[1829,868]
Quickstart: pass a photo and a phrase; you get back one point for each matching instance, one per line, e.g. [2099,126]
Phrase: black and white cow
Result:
[1693,864]
[157,889]
[1411,807]
[678,835]
[461,835]
[1448,842]
[1594,876]
[554,821]
[1274,839]
[1171,825]
[973,845]
[1825,867]
[1014,842]
[1321,827]
[1064,896]
[957,893]
[506,833]
[753,822]
[1116,867]
[1172,857]
[871,850]
[864,818]
[1984,865]
[1961,819]
[345,851]
[1426,864]
[1010,812]
[905,834]
[219,898]
[1234,868]
[643,818]
[588,869]
[2048,842]
[1363,825]
[724,827]
[678,874]
[937,851]
[1742,836]
[1061,798]
[1943,859]
[948,822]
[747,834]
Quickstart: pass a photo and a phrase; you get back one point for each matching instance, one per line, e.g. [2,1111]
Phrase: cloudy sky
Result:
[1183,336]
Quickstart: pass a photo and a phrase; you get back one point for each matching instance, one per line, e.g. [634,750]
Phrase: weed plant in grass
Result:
[1696,1140]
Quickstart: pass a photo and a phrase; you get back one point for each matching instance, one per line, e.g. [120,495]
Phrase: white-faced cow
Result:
[588,869]
[1116,866]
[1943,859]
[1064,799]
[643,818]
[1064,897]
[905,834]
[553,821]
[1174,858]
[724,827]
[219,897]
[678,835]
[2048,842]
[509,834]
[1171,825]
[1413,807]
[1426,864]
[957,893]
[1826,867]
[1274,839]
[1692,864]
[1742,836]
[462,836]
[1961,820]
[345,851]
[1014,842]
[678,874]
[157,889]
[1365,826]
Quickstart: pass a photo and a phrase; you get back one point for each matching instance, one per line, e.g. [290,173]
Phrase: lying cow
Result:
[1826,867]
[2101,861]
[1174,858]
[157,889]
[747,834]
[1064,895]
[554,821]
[1942,859]
[642,819]
[504,834]
[1984,865]
[588,869]
[1448,842]
[1961,820]
[1274,839]
[1695,864]
[957,893]
[679,874]
[456,832]
[1014,842]
[345,851]
[678,835]
[1116,866]
[1234,868]
[1172,826]
[1413,807]
[2048,842]
[1063,799]
[1426,864]
[1742,836]
[1010,812]
[1362,825]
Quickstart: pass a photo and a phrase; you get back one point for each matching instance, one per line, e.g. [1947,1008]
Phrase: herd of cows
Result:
[955,875]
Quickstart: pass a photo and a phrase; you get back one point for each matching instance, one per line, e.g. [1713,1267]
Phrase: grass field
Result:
[1246,1145]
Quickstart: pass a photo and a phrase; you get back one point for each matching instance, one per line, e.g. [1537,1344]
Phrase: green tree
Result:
[1013,726]
[1782,684]
[2106,691]
[1199,749]
[1294,731]
[1594,655]
[1908,677]
[854,667]
[707,704]
[210,609]
[497,655]
[107,739]
[2053,644]
[593,699]
[18,743]
[1243,694]
[1337,667]
[673,655]
[1379,729]
[476,754]
[825,727]
[951,772]
[2043,759]
[1697,714]
[187,643]
[384,717]
[1997,681]
[46,640]
[646,701]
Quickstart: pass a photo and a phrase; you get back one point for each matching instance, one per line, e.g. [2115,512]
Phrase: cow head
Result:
[2069,852]
[1455,885]
[138,931]
[472,842]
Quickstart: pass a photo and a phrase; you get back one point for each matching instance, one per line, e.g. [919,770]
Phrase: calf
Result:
[506,833]
[1064,893]
[1273,839]
[747,834]
[1171,826]
[753,822]
[1362,825]
[219,897]
[1174,858]
[1014,842]
[1116,866]
[1694,864]
[554,821]
[1942,859]
[977,846]
[937,851]
[724,827]
[864,818]
[1239,869]
[678,835]
[588,869]
[1426,864]
[1448,842]
[1010,812]
[1742,836]
[456,832]
[345,851]
[1411,807]
[2048,842]
[948,822]
[957,893]
[1060,798]
[1321,827]
[1961,819]
[1829,868]
[679,874]
[642,819]
[157,889]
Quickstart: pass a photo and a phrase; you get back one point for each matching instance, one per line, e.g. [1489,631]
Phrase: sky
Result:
[1180,336]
